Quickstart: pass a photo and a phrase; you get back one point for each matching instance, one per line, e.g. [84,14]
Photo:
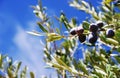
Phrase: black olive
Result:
[82,38]
[92,38]
[110,33]
[93,28]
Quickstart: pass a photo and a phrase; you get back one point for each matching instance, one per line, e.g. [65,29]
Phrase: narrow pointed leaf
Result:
[42,27]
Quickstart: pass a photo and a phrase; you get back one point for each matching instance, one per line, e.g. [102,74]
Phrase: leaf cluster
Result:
[11,69]
[59,47]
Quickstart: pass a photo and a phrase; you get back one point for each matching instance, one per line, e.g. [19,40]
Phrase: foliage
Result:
[97,62]
[10,69]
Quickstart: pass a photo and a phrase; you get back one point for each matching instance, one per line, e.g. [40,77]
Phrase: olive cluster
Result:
[94,28]
[79,31]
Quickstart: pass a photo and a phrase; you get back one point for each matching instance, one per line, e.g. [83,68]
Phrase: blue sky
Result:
[16,17]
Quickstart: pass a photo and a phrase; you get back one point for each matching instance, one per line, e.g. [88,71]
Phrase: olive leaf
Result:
[42,27]
[112,41]
[107,1]
[32,75]
[35,33]
[53,37]
[85,25]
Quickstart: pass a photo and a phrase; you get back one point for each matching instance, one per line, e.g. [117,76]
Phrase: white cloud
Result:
[30,52]
[27,48]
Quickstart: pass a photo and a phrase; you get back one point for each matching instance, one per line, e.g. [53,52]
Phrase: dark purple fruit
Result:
[93,28]
[100,24]
[92,38]
[73,31]
[110,33]
[82,37]
[79,30]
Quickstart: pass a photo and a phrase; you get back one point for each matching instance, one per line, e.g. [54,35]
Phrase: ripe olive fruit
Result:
[93,28]
[82,37]
[73,31]
[110,33]
[100,24]
[92,38]
[79,30]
